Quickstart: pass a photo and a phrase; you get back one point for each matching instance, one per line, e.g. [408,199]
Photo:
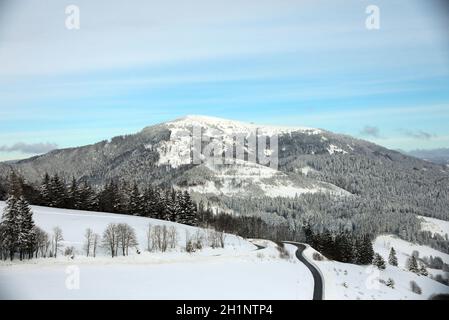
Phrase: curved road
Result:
[317,279]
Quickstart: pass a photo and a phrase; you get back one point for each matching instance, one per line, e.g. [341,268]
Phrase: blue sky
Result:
[306,63]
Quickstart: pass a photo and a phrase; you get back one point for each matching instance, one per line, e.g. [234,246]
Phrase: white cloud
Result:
[29,148]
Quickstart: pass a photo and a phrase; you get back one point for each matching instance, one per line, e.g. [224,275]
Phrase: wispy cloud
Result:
[29,148]
[418,134]
[370,131]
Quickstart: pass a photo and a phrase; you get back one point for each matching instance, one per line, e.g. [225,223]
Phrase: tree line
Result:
[20,237]
[115,197]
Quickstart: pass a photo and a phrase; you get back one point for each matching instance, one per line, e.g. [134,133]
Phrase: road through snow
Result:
[317,279]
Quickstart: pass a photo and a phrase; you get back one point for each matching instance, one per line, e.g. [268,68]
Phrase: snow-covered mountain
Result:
[439,156]
[309,161]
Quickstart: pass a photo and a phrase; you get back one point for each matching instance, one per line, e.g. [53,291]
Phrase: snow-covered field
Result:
[349,281]
[440,227]
[239,271]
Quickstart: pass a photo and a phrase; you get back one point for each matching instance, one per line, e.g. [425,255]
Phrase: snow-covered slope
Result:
[244,179]
[75,222]
[404,249]
[231,127]
[177,150]
[349,281]
[433,225]
[238,271]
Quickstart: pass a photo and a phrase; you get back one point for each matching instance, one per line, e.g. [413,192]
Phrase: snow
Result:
[349,281]
[404,249]
[176,151]
[242,177]
[433,225]
[238,271]
[334,149]
[203,280]
[75,222]
[232,126]
[305,170]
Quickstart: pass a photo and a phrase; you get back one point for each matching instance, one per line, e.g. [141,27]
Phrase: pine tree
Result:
[87,197]
[15,185]
[45,191]
[160,205]
[365,251]
[108,199]
[135,206]
[148,202]
[74,197]
[412,265]
[308,233]
[378,261]
[344,247]
[10,226]
[57,192]
[26,237]
[124,191]
[170,205]
[392,259]
[188,210]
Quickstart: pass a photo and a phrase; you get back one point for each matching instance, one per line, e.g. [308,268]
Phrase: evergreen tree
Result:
[58,192]
[187,209]
[160,204]
[150,202]
[169,205]
[15,185]
[308,233]
[392,259]
[45,191]
[124,192]
[10,225]
[108,199]
[87,198]
[74,197]
[412,264]
[378,261]
[365,252]
[135,206]
[26,236]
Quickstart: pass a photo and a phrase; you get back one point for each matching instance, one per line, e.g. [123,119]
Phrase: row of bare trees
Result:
[161,238]
[119,237]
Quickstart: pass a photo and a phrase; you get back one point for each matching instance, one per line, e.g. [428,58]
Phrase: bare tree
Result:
[95,240]
[221,238]
[172,237]
[88,240]
[149,237]
[164,239]
[216,239]
[57,238]
[42,242]
[110,239]
[160,238]
[126,237]
[199,239]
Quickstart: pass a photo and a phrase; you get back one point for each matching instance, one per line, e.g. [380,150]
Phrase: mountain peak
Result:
[236,125]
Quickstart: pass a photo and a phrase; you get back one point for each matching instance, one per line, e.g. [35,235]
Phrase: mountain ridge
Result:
[311,162]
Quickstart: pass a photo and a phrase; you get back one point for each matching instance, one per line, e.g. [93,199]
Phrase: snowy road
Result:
[317,278]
